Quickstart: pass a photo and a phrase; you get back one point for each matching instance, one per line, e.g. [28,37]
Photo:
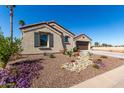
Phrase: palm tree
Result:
[21,22]
[11,7]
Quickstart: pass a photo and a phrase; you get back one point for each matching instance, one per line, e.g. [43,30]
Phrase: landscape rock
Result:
[81,62]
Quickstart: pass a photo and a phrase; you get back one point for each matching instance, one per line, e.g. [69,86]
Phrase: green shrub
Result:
[99,60]
[89,53]
[96,66]
[16,47]
[52,56]
[75,49]
[45,54]
[103,57]
[5,50]
[8,49]
[64,51]
[2,65]
[8,85]
[70,52]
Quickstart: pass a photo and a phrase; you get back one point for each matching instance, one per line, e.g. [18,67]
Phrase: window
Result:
[66,39]
[44,40]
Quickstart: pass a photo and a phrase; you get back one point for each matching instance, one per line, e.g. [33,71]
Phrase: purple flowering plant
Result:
[20,75]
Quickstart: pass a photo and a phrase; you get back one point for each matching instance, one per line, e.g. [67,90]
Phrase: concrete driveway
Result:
[112,54]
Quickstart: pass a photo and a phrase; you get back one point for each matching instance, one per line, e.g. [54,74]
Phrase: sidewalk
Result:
[110,79]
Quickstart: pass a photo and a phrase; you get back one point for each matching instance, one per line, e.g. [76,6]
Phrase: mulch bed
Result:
[52,76]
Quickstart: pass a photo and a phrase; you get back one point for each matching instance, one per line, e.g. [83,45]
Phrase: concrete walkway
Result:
[110,79]
[112,54]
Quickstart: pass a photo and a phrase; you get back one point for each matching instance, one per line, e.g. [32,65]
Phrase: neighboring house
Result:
[50,37]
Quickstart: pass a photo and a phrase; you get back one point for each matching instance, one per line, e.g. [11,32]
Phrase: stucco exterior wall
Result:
[71,43]
[28,42]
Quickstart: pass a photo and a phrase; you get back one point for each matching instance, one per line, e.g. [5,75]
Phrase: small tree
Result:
[104,44]
[96,44]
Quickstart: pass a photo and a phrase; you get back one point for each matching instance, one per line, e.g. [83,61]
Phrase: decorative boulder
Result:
[81,62]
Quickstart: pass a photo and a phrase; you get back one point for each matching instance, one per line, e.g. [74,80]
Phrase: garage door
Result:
[82,45]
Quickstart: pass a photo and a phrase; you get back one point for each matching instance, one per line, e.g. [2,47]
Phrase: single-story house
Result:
[51,37]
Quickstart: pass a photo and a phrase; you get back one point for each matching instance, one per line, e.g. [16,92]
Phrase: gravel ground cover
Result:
[53,76]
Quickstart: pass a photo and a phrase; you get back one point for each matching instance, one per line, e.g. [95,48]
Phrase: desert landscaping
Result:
[48,70]
[110,49]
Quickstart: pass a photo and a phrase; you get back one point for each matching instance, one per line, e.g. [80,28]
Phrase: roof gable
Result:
[55,23]
[83,36]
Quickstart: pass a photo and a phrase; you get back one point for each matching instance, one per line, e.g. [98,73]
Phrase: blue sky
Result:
[104,24]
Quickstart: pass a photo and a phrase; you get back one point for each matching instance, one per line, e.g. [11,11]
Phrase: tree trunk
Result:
[11,23]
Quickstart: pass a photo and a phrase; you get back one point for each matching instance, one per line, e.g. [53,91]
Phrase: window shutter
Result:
[51,40]
[36,39]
